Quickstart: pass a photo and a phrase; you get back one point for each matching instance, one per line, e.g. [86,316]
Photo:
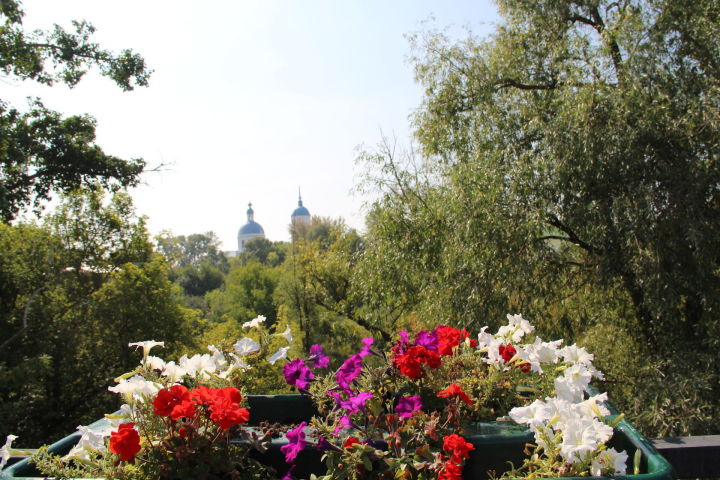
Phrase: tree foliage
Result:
[572,156]
[40,150]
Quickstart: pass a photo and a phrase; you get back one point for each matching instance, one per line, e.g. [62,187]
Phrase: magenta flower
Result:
[318,357]
[356,403]
[349,371]
[298,374]
[296,442]
[428,340]
[408,405]
[345,422]
[367,343]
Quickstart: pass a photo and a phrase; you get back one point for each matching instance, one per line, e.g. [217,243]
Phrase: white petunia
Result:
[146,346]
[199,365]
[246,346]
[537,413]
[136,386]
[281,353]
[155,363]
[609,463]
[287,334]
[255,323]
[173,371]
[90,442]
[239,362]
[516,329]
[484,339]
[5,450]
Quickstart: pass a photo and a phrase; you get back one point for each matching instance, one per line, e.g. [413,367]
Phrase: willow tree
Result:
[574,155]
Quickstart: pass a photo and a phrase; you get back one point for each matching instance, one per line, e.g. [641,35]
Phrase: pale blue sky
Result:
[250,99]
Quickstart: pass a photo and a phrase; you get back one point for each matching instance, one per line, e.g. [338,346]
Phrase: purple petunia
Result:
[408,405]
[428,340]
[345,422]
[356,403]
[367,343]
[318,357]
[349,371]
[296,442]
[298,374]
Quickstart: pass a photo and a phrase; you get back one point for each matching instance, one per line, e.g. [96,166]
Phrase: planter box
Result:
[496,444]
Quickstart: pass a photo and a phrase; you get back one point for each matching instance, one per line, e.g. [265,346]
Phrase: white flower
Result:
[5,450]
[609,463]
[255,322]
[199,365]
[593,406]
[573,383]
[156,363]
[484,339]
[246,346]
[239,362]
[146,346]
[173,371]
[287,334]
[281,353]
[89,442]
[537,413]
[516,329]
[575,354]
[136,386]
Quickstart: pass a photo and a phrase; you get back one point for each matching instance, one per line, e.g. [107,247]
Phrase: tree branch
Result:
[572,236]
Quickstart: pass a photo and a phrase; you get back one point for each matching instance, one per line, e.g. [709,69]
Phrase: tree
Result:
[40,150]
[574,153]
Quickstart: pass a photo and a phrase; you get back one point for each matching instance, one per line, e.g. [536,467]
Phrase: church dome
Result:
[250,230]
[300,211]
[300,214]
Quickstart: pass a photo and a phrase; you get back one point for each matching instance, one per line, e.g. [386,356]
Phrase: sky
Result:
[251,100]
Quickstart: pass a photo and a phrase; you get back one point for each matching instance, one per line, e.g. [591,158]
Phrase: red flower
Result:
[507,352]
[226,413]
[203,395]
[174,402]
[410,363]
[451,471]
[125,442]
[449,338]
[455,390]
[350,441]
[456,445]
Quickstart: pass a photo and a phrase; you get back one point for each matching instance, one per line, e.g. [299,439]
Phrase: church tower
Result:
[301,215]
[250,230]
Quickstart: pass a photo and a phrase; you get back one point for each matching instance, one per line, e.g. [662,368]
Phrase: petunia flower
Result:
[296,442]
[246,346]
[355,403]
[5,450]
[318,357]
[408,405]
[298,374]
[367,343]
[281,353]
[146,346]
[349,370]
[287,334]
[254,323]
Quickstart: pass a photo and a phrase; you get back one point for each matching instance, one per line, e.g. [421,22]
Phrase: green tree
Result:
[40,150]
[572,155]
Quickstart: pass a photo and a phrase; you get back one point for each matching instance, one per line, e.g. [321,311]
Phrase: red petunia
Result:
[456,446]
[411,361]
[455,390]
[125,442]
[174,402]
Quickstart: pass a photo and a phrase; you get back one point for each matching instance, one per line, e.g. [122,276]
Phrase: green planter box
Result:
[496,443]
